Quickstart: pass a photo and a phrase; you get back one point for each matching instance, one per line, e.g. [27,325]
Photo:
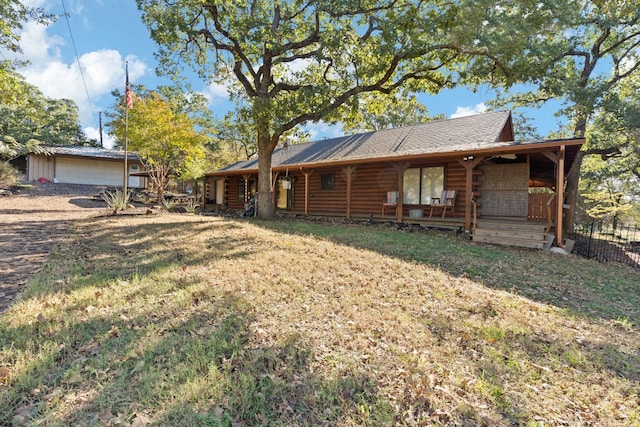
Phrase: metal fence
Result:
[605,243]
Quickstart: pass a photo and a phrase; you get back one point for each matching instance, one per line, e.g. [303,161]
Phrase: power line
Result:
[73,42]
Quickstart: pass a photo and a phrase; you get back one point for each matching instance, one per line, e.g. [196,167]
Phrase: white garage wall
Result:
[88,171]
[40,166]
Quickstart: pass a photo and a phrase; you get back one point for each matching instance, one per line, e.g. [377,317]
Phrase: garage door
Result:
[87,171]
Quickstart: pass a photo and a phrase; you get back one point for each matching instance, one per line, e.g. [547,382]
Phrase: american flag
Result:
[127,91]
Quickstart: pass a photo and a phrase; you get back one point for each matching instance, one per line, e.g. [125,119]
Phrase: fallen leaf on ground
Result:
[4,374]
[140,421]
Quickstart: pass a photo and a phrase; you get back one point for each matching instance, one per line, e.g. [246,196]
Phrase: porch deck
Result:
[436,222]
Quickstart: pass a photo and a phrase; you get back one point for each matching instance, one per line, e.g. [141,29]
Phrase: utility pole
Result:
[100,121]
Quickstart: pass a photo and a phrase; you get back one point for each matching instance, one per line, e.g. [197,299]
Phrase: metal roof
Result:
[91,152]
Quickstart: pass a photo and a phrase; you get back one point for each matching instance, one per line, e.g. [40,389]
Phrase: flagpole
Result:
[127,96]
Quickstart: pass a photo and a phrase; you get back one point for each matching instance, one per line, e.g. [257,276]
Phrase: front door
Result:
[284,186]
[219,191]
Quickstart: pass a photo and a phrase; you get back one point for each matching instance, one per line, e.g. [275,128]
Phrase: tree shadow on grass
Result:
[198,360]
[192,360]
[199,364]
[88,202]
[126,252]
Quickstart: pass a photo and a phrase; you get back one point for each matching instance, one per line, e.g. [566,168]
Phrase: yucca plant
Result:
[192,205]
[117,200]
[168,204]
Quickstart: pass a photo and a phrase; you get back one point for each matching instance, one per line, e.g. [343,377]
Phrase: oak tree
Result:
[298,61]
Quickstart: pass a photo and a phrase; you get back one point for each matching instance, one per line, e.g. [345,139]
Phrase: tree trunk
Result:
[265,206]
[571,193]
[573,177]
[265,200]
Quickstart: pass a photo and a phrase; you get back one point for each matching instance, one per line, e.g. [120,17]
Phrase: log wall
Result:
[369,186]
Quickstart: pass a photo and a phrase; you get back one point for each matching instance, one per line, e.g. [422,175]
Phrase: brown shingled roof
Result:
[481,131]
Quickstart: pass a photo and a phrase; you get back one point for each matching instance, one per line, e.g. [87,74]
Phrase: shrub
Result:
[168,204]
[116,200]
[8,174]
[192,206]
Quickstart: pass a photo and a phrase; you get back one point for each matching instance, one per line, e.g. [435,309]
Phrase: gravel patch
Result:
[33,220]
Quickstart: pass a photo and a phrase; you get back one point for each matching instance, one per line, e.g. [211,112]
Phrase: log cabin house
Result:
[504,191]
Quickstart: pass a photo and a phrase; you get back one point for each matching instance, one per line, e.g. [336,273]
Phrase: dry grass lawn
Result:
[182,320]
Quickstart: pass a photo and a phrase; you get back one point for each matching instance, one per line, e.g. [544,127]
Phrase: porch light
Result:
[468,158]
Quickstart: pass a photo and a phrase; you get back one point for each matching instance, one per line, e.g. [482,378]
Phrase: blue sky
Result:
[108,33]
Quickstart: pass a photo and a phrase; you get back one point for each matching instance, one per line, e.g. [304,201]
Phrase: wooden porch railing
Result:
[539,204]
[549,213]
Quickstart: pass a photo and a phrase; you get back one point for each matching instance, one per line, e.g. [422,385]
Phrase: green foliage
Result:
[8,175]
[580,52]
[237,137]
[27,117]
[373,111]
[192,205]
[14,14]
[168,204]
[610,181]
[50,121]
[608,191]
[10,148]
[167,137]
[296,62]
[31,116]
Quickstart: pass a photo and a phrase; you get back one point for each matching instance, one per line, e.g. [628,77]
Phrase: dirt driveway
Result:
[32,223]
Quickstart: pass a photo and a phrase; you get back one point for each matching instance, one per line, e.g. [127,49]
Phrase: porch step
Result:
[511,232]
[512,225]
[533,244]
[517,234]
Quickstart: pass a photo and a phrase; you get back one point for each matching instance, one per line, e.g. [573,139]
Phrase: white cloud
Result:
[469,110]
[103,70]
[107,140]
[217,92]
[37,46]
[35,3]
[322,130]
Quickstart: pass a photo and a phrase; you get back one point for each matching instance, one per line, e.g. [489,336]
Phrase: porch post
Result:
[349,170]
[307,175]
[274,182]
[469,163]
[204,193]
[245,178]
[224,190]
[400,168]
[559,195]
